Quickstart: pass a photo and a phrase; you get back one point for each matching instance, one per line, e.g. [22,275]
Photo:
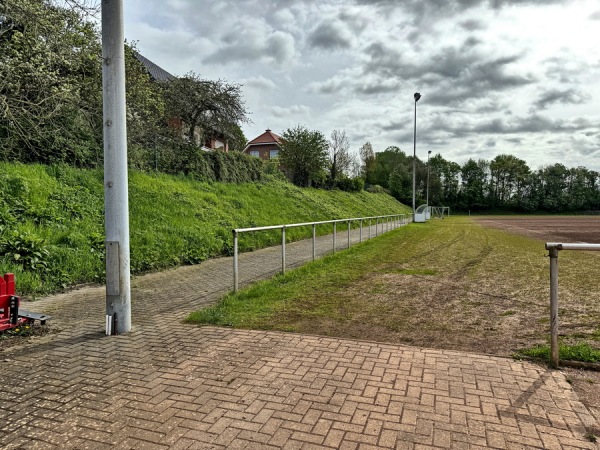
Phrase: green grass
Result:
[447,283]
[579,352]
[173,220]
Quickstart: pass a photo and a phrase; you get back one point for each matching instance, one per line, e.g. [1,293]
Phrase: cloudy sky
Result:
[496,76]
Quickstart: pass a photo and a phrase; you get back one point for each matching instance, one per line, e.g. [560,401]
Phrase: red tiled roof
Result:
[268,137]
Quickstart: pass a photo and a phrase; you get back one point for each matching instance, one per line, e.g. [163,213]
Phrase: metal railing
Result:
[386,222]
[553,248]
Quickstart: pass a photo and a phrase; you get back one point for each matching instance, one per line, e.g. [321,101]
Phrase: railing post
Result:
[554,306]
[314,230]
[348,234]
[283,249]
[370,228]
[235,261]
[334,227]
[376,226]
[360,234]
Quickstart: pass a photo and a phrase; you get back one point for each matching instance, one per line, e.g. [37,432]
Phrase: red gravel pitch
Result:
[549,228]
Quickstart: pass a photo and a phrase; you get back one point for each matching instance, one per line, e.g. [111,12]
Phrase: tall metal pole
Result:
[417,96]
[428,153]
[118,290]
[554,353]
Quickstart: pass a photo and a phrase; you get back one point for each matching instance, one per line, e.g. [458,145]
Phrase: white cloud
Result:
[497,76]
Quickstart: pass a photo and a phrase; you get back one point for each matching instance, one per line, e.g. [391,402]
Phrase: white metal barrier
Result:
[553,248]
[387,222]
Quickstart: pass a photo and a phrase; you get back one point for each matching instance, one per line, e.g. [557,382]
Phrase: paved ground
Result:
[170,385]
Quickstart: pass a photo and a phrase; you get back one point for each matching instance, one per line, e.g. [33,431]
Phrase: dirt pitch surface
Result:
[572,229]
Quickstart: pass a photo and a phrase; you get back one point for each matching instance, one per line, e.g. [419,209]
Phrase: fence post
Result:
[283,249]
[360,234]
[376,226]
[235,261]
[554,306]
[334,227]
[348,234]
[370,228]
[314,241]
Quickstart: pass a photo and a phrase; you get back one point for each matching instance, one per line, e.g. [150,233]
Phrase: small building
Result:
[266,146]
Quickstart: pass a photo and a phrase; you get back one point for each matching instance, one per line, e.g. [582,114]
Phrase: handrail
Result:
[398,218]
[553,248]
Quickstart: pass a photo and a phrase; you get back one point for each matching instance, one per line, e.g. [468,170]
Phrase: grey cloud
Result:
[570,96]
[490,143]
[260,82]
[331,35]
[565,69]
[472,25]
[595,16]
[245,45]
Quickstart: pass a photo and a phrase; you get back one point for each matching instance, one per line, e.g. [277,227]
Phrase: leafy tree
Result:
[206,106]
[50,84]
[304,155]
[474,178]
[237,139]
[367,158]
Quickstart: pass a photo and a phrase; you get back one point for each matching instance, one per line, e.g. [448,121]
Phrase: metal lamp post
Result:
[428,153]
[417,97]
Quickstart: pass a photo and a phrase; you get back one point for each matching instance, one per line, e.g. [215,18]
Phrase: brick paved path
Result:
[169,385]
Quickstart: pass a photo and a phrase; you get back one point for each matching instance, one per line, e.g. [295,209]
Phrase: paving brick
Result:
[186,387]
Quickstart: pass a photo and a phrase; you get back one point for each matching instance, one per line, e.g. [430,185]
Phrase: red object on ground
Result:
[9,304]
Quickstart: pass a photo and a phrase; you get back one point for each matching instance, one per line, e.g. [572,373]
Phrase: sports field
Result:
[549,228]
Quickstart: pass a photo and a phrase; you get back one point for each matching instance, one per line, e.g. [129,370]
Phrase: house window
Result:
[254,153]
[273,154]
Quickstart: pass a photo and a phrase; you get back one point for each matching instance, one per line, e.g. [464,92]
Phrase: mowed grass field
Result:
[451,284]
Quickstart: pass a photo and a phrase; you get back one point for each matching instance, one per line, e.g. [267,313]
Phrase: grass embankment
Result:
[447,284]
[52,222]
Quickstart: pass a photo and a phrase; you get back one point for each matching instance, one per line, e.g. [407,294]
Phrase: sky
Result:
[518,77]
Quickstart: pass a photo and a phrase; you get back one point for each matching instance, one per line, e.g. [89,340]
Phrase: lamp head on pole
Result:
[429,152]
[417,97]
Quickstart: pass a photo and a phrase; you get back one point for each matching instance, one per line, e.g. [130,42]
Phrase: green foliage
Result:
[579,352]
[304,156]
[52,217]
[50,85]
[26,250]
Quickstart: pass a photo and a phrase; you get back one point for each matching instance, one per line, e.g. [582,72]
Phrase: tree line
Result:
[504,183]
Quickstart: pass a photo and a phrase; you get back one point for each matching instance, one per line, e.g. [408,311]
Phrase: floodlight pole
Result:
[428,153]
[417,96]
[116,203]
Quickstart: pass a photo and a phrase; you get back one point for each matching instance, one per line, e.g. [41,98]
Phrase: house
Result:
[266,146]
[211,141]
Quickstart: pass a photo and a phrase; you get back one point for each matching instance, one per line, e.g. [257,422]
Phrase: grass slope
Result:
[446,284]
[52,223]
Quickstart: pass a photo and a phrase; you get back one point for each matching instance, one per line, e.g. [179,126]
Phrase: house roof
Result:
[156,72]
[268,137]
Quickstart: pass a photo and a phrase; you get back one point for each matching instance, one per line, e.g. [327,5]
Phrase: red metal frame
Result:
[7,293]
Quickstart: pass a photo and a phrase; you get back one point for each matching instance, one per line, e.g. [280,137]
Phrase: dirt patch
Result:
[549,228]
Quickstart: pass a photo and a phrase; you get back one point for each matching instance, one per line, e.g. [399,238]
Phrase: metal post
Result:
[235,261]
[116,202]
[334,227]
[314,230]
[282,249]
[360,234]
[554,306]
[427,202]
[348,234]
[370,228]
[376,226]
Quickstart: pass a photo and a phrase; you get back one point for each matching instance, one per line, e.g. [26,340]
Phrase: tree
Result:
[474,178]
[304,155]
[237,139]
[340,160]
[206,106]
[50,84]
[367,158]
